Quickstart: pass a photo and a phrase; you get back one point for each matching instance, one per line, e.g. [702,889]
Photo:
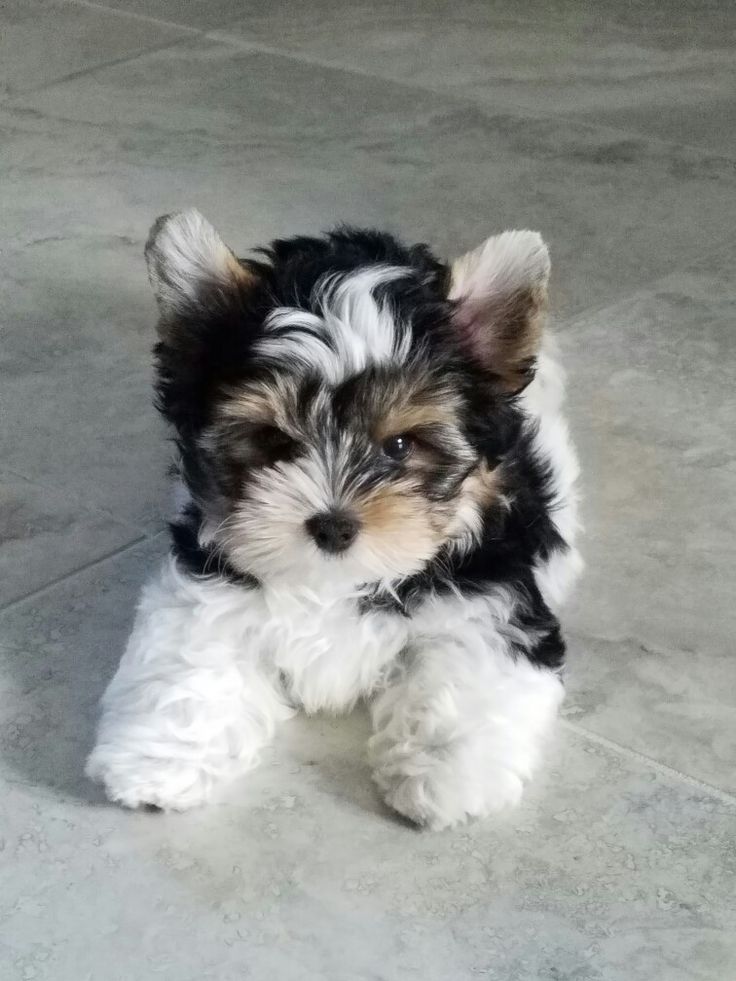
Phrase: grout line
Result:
[19,94]
[134,15]
[259,47]
[90,508]
[564,325]
[220,35]
[506,105]
[662,768]
[34,594]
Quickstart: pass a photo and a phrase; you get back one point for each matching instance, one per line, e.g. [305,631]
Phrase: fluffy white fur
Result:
[500,267]
[185,707]
[543,402]
[187,253]
[459,729]
[212,668]
[353,331]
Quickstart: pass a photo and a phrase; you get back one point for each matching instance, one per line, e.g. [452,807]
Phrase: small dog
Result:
[377,502]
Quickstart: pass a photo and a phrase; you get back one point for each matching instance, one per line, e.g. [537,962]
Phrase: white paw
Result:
[443,753]
[441,791]
[135,781]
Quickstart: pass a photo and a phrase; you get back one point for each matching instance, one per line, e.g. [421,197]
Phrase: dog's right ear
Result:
[500,296]
[190,266]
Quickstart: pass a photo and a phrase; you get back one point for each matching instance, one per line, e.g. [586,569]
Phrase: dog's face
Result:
[342,406]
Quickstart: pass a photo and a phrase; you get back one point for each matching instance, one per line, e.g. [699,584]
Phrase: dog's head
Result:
[342,404]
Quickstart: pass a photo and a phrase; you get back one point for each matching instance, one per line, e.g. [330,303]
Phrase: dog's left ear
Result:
[188,265]
[500,295]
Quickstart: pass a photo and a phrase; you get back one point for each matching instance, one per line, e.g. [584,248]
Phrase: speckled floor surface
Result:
[608,126]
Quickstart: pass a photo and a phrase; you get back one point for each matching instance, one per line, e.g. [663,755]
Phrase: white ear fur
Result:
[503,264]
[500,291]
[185,253]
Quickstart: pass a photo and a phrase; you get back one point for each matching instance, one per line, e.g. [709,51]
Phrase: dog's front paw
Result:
[439,791]
[137,781]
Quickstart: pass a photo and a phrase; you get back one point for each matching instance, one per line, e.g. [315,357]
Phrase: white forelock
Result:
[185,252]
[351,331]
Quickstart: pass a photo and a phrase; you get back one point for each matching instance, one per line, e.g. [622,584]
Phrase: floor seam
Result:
[219,35]
[509,106]
[99,560]
[16,94]
[662,768]
[580,317]
[89,508]
[134,15]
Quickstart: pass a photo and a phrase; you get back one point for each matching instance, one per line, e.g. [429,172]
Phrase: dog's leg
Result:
[461,726]
[193,699]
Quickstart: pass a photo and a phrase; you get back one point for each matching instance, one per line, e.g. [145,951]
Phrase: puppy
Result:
[376,502]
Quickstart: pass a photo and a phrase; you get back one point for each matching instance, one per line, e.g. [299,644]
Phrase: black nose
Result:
[333,531]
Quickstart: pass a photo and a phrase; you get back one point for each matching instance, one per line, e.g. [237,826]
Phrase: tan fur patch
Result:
[262,404]
[413,411]
[482,486]
[517,337]
[500,291]
[239,273]
[480,489]
[507,335]
[402,521]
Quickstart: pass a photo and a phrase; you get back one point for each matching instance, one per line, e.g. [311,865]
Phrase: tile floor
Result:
[608,126]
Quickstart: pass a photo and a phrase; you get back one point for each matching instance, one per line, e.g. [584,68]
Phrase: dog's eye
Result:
[398,447]
[274,443]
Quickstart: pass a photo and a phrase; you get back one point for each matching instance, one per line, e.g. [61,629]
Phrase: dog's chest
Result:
[328,651]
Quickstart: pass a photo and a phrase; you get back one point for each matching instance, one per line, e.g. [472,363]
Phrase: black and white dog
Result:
[377,502]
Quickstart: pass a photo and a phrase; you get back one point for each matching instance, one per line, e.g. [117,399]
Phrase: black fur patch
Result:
[201,561]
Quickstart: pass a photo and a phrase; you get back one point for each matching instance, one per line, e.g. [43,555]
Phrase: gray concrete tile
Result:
[696,117]
[42,40]
[624,64]
[45,534]
[54,672]
[280,146]
[195,14]
[653,411]
[609,870]
[100,444]
[78,412]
